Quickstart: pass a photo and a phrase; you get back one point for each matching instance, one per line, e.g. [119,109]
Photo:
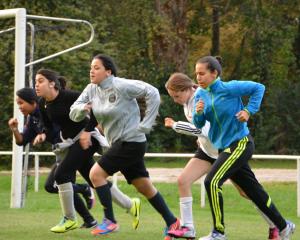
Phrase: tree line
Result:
[258,40]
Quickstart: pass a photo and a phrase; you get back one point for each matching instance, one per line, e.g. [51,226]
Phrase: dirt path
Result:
[263,175]
[170,174]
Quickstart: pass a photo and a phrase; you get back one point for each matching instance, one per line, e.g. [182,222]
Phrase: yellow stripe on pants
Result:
[214,189]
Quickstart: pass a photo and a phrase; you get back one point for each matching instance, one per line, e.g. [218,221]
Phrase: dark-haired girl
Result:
[28,105]
[55,105]
[221,104]
[114,105]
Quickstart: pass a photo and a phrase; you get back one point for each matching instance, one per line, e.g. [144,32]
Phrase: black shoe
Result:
[91,224]
[89,197]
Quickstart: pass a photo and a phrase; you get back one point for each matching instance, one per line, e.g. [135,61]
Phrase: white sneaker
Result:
[214,235]
[286,233]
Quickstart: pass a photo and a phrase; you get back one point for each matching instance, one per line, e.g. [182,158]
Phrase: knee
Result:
[50,188]
[93,177]
[182,182]
[243,194]
[96,176]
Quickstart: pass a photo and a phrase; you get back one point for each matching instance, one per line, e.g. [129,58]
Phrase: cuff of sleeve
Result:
[174,125]
[247,111]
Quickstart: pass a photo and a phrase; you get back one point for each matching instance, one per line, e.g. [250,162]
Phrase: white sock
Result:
[66,197]
[120,198]
[186,211]
[270,223]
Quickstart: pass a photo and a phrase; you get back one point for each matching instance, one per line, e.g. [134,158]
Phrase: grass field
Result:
[42,211]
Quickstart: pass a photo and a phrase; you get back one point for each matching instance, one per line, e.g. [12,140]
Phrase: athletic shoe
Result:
[214,235]
[286,233]
[174,226]
[135,212]
[91,224]
[64,226]
[183,232]
[274,234]
[89,197]
[105,227]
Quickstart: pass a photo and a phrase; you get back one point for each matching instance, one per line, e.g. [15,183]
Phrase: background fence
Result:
[170,155]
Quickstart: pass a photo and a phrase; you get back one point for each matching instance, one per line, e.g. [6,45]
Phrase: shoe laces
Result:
[175,225]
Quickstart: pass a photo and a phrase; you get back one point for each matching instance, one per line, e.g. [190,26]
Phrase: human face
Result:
[25,107]
[204,76]
[98,72]
[43,87]
[180,97]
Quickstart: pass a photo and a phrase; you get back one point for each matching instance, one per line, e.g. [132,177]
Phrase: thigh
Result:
[195,169]
[122,155]
[231,160]
[135,171]
[88,161]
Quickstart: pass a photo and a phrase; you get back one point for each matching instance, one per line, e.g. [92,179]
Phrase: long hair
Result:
[52,76]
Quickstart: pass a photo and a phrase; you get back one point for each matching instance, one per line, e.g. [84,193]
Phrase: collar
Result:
[212,86]
[106,83]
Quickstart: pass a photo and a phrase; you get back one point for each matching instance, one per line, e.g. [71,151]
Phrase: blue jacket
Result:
[222,101]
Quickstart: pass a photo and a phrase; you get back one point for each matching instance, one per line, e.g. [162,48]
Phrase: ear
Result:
[51,84]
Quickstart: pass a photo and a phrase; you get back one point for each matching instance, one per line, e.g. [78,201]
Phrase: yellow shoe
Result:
[135,212]
[64,226]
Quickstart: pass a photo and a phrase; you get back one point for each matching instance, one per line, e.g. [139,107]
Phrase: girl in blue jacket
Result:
[221,104]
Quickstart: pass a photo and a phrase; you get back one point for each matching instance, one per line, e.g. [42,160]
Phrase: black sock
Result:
[104,195]
[160,205]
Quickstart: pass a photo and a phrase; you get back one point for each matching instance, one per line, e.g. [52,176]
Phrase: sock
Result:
[160,206]
[186,211]
[65,192]
[270,223]
[81,208]
[120,198]
[104,195]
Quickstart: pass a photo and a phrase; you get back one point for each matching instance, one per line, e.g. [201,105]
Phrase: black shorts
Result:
[126,157]
[203,156]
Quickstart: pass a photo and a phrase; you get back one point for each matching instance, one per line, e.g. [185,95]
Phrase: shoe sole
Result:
[67,230]
[175,236]
[104,233]
[138,212]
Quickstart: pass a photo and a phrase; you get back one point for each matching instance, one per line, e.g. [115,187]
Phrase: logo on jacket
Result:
[112,98]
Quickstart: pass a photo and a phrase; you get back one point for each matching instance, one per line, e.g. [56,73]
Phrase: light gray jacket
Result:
[116,110]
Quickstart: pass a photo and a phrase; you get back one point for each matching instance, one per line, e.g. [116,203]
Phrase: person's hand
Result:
[169,122]
[88,107]
[200,106]
[13,124]
[39,139]
[242,116]
[85,140]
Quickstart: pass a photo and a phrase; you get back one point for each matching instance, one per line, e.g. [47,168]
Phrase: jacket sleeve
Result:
[254,90]
[198,118]
[186,128]
[138,89]
[77,112]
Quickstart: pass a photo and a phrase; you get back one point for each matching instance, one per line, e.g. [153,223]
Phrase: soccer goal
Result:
[21,22]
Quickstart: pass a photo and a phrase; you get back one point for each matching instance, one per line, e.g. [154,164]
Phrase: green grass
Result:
[42,211]
[181,162]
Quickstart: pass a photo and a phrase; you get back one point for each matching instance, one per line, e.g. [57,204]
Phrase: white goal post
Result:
[19,82]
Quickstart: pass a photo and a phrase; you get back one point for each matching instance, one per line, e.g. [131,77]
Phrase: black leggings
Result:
[77,159]
[233,163]
[79,204]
